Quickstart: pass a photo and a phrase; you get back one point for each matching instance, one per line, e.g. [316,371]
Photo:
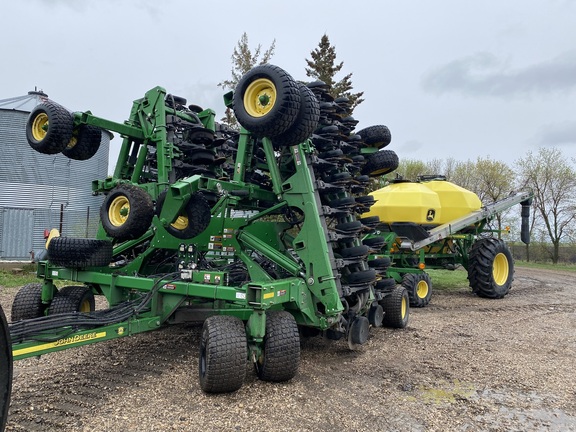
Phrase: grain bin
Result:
[39,192]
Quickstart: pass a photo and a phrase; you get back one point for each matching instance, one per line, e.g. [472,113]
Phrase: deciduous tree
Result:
[552,177]
[244,59]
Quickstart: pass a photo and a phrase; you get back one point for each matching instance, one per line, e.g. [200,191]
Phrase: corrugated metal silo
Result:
[39,191]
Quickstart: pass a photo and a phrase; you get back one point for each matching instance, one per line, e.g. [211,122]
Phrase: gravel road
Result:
[463,364]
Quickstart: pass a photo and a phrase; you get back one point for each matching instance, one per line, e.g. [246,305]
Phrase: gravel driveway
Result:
[463,364]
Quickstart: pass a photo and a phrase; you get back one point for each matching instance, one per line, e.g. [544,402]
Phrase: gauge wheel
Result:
[377,136]
[79,252]
[380,163]
[396,307]
[192,220]
[306,122]
[49,128]
[280,357]
[267,101]
[419,287]
[27,303]
[223,354]
[72,299]
[126,212]
[84,144]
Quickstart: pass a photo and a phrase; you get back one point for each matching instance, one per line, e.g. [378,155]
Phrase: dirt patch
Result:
[463,364]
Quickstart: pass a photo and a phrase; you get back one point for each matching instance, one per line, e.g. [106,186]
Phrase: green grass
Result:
[448,280]
[10,280]
[545,266]
[453,280]
[26,274]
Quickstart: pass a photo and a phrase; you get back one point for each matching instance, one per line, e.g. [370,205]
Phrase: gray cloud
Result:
[483,74]
[409,147]
[557,134]
[151,7]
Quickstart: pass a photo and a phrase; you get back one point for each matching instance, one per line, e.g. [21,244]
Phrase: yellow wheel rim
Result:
[181,223]
[40,126]
[73,141]
[85,306]
[500,269]
[260,97]
[119,211]
[403,307]
[422,289]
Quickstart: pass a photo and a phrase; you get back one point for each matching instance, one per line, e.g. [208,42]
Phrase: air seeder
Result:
[435,224]
[256,233]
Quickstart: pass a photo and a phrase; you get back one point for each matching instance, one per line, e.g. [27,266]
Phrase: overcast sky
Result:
[450,78]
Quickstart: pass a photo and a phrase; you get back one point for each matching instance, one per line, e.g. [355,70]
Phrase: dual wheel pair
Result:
[127,213]
[50,130]
[224,352]
[28,302]
[268,102]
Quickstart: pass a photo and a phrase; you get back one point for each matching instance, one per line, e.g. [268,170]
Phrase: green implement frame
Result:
[251,232]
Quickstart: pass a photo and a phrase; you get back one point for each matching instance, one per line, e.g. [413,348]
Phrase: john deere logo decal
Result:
[430,215]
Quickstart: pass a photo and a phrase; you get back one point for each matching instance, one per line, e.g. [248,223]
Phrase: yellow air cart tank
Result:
[454,200]
[431,202]
[406,202]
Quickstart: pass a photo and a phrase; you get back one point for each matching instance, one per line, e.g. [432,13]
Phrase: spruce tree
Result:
[323,67]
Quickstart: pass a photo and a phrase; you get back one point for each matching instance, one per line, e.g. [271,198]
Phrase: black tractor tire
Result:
[27,303]
[281,354]
[72,299]
[306,121]
[193,219]
[49,128]
[267,101]
[419,287]
[490,268]
[6,369]
[223,354]
[377,136]
[79,252]
[380,163]
[126,212]
[85,144]
[396,307]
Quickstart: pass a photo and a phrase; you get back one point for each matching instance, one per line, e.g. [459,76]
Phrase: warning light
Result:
[421,266]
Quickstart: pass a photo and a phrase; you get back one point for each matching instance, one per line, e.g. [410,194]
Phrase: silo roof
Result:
[24,103]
